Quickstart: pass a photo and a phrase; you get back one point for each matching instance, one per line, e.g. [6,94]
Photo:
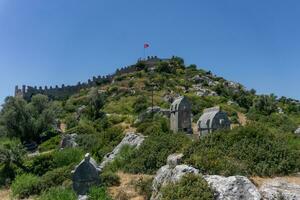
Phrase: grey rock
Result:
[297,131]
[130,139]
[85,175]
[280,189]
[167,174]
[233,188]
[68,141]
[83,197]
[174,159]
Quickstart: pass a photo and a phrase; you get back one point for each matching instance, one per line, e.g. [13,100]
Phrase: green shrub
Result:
[109,179]
[191,187]
[50,144]
[152,154]
[249,150]
[58,193]
[97,193]
[40,164]
[25,185]
[56,177]
[67,156]
[120,160]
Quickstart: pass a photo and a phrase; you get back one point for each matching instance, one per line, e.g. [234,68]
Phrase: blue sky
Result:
[254,42]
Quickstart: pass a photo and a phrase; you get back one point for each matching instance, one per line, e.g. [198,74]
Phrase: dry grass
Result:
[242,118]
[259,181]
[5,194]
[126,190]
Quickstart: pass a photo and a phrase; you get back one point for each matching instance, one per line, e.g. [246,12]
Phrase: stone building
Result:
[211,120]
[181,115]
[85,175]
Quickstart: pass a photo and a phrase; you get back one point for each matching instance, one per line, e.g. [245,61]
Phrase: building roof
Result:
[177,102]
[208,114]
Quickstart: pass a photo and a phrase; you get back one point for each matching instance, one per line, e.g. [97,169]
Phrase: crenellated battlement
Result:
[64,91]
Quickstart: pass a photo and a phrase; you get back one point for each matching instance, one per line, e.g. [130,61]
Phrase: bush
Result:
[152,154]
[67,157]
[58,193]
[191,187]
[25,185]
[249,150]
[56,177]
[50,144]
[40,164]
[109,179]
[97,193]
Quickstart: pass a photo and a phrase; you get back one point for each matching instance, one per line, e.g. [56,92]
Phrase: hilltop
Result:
[262,140]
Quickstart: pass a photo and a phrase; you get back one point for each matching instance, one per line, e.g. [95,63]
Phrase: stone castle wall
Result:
[64,91]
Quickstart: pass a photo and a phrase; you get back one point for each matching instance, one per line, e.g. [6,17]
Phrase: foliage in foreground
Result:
[25,185]
[250,150]
[58,193]
[191,187]
[96,193]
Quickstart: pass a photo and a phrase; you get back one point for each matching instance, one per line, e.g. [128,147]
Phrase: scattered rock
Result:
[174,159]
[297,131]
[280,189]
[130,139]
[233,187]
[68,141]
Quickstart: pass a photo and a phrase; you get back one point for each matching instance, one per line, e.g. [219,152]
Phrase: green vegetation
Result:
[25,185]
[99,115]
[97,193]
[250,150]
[190,187]
[58,193]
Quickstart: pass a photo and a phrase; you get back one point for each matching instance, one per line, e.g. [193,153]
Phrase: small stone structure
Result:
[85,175]
[181,115]
[68,141]
[211,120]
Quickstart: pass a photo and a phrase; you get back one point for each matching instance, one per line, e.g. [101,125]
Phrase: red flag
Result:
[146,45]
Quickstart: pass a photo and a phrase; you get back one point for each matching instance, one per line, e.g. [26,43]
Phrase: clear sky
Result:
[49,42]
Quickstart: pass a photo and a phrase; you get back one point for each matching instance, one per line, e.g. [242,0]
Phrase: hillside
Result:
[262,140]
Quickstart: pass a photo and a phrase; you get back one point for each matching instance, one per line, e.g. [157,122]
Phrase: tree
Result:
[265,104]
[28,120]
[96,102]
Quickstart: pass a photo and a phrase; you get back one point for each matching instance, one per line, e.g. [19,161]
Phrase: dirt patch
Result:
[4,194]
[242,118]
[259,181]
[126,190]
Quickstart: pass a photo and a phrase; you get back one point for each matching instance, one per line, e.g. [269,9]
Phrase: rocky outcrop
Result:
[170,173]
[225,188]
[131,139]
[68,141]
[280,189]
[167,174]
[233,187]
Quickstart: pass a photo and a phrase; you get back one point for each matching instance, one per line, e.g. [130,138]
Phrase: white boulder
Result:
[280,189]
[233,188]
